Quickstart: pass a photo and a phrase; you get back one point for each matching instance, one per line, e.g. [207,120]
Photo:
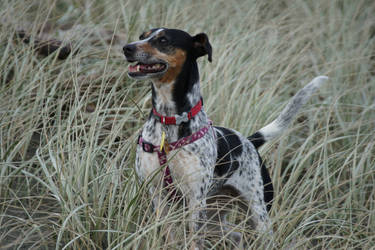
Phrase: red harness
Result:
[162,155]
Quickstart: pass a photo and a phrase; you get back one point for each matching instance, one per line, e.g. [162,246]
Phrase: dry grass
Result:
[68,127]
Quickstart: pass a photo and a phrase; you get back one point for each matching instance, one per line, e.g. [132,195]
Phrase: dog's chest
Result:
[184,166]
[188,164]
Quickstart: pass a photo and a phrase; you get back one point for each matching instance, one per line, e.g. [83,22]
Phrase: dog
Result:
[178,145]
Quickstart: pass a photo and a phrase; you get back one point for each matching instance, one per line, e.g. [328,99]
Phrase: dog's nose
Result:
[129,49]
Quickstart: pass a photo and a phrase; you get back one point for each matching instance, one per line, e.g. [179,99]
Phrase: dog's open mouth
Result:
[143,69]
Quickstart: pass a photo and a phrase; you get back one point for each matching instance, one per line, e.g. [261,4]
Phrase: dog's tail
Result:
[276,127]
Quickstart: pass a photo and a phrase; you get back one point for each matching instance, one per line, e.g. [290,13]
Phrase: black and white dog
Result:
[179,148]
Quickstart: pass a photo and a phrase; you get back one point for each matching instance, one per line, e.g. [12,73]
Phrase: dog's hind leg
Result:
[251,193]
[219,205]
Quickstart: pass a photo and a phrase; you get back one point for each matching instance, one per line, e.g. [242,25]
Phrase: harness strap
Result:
[150,148]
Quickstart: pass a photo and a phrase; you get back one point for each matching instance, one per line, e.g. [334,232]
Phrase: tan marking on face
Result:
[147,34]
[146,47]
[160,33]
[175,62]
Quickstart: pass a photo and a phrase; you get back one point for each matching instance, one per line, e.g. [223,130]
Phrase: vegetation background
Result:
[68,123]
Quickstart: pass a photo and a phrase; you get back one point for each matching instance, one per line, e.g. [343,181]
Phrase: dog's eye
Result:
[163,40]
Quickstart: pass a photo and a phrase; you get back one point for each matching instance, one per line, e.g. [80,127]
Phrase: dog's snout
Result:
[129,49]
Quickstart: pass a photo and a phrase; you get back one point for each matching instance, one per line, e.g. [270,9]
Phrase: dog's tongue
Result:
[133,68]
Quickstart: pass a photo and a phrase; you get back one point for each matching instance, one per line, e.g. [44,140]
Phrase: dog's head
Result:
[161,53]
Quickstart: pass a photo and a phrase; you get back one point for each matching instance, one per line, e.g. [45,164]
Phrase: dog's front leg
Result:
[161,209]
[193,176]
[197,207]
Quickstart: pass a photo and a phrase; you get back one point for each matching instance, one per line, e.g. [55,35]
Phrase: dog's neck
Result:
[179,96]
[176,97]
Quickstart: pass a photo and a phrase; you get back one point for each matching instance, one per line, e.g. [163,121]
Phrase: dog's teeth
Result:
[138,68]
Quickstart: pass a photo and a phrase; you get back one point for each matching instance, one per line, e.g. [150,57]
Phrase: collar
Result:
[178,119]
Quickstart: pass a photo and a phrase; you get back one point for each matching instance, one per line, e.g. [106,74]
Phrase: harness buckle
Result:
[181,118]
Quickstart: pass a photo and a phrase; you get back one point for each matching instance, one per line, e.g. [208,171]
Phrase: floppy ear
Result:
[202,46]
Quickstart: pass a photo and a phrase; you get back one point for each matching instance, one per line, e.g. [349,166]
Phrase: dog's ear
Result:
[202,46]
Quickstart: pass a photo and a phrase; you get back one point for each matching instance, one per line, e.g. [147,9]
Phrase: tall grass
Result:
[68,127]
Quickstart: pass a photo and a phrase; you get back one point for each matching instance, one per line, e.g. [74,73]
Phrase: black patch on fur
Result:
[267,184]
[229,147]
[170,39]
[184,83]
[202,46]
[257,139]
